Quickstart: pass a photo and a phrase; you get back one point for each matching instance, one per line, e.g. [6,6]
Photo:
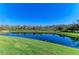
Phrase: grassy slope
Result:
[11,45]
[31,31]
[69,34]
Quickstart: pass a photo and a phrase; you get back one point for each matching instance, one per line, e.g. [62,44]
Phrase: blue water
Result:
[67,41]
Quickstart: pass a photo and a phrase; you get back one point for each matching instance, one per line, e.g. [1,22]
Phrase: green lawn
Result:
[31,31]
[69,34]
[22,46]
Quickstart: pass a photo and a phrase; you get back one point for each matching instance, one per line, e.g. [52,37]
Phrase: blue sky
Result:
[38,13]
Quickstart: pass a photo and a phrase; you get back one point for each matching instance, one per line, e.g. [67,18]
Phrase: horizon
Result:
[38,13]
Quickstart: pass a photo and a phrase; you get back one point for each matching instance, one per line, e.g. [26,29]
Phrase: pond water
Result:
[62,40]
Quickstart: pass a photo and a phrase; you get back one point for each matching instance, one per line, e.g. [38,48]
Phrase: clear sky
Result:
[38,13]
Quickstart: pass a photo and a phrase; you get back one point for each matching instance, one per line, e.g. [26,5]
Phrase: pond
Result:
[62,40]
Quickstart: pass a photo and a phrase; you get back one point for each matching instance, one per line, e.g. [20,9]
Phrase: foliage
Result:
[74,27]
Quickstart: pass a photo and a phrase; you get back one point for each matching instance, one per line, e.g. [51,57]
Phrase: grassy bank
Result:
[69,34]
[31,31]
[12,45]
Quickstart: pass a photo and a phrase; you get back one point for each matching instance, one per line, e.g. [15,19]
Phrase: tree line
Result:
[74,27]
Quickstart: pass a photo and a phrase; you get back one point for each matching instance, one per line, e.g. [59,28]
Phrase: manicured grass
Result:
[69,34]
[31,31]
[23,46]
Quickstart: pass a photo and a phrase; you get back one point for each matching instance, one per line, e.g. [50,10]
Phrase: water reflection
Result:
[67,41]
